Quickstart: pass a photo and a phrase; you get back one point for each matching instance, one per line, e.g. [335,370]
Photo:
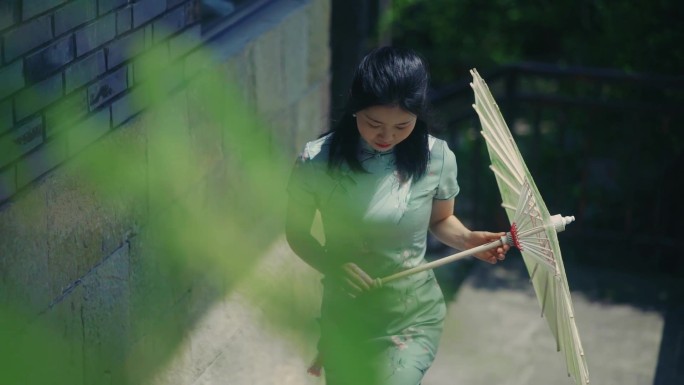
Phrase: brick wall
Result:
[64,60]
[83,268]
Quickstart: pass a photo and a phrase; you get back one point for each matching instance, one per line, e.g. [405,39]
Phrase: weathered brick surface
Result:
[27,36]
[108,5]
[107,88]
[106,312]
[41,161]
[48,60]
[7,183]
[125,48]
[124,19]
[169,24]
[128,106]
[32,8]
[24,253]
[145,10]
[319,43]
[85,70]
[66,316]
[295,56]
[67,111]
[11,78]
[95,34]
[269,83]
[36,97]
[74,14]
[88,131]
[9,11]
[152,63]
[184,42]
[20,141]
[6,116]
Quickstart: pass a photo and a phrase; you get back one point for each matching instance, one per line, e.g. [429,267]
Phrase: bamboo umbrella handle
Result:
[443,261]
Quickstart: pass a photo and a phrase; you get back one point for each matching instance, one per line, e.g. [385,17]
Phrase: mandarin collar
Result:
[367,150]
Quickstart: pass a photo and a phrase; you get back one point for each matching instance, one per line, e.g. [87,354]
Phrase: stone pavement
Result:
[494,333]
[632,330]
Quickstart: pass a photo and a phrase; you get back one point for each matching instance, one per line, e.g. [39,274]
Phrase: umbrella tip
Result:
[559,222]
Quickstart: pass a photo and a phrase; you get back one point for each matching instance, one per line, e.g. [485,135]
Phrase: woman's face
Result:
[383,127]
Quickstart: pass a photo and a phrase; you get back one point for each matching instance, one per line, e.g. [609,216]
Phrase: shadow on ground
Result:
[663,294]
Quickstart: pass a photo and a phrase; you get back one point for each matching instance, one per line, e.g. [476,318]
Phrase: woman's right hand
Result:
[353,280]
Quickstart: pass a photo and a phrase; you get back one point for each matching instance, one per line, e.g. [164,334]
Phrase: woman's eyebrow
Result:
[369,118]
[377,121]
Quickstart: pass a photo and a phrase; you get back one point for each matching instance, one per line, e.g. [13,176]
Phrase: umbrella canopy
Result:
[533,230]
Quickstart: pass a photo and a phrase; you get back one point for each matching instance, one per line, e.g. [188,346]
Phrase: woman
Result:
[379,182]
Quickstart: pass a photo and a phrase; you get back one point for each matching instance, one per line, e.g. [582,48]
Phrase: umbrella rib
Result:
[533,273]
[540,256]
[523,216]
[558,320]
[507,206]
[485,95]
[535,246]
[530,232]
[546,287]
[508,183]
[492,115]
[505,153]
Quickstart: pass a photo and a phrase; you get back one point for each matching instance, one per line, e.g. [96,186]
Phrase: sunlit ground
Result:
[494,335]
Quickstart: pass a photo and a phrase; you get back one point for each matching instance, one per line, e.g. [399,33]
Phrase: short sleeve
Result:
[447,187]
[300,187]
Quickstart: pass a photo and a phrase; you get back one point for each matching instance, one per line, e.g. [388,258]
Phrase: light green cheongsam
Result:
[390,334]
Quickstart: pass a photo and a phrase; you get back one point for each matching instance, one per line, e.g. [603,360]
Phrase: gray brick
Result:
[27,36]
[84,71]
[95,34]
[193,12]
[129,105]
[88,131]
[66,112]
[168,25]
[20,141]
[107,5]
[151,63]
[125,48]
[32,99]
[107,88]
[148,36]
[6,120]
[146,10]
[74,14]
[45,62]
[11,78]
[124,20]
[32,8]
[44,159]
[172,3]
[184,42]
[9,11]
[7,183]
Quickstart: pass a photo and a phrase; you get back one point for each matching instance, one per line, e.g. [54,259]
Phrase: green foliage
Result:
[202,187]
[641,36]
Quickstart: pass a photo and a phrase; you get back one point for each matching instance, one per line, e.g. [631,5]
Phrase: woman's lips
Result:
[382,145]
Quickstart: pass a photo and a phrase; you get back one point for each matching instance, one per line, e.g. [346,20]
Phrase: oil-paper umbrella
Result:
[533,232]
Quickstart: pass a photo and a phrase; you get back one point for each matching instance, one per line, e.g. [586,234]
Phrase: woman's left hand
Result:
[477,238]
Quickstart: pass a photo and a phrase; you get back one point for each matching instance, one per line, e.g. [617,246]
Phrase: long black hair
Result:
[387,76]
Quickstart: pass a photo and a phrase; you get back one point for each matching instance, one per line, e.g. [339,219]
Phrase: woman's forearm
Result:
[298,234]
[452,232]
[308,249]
